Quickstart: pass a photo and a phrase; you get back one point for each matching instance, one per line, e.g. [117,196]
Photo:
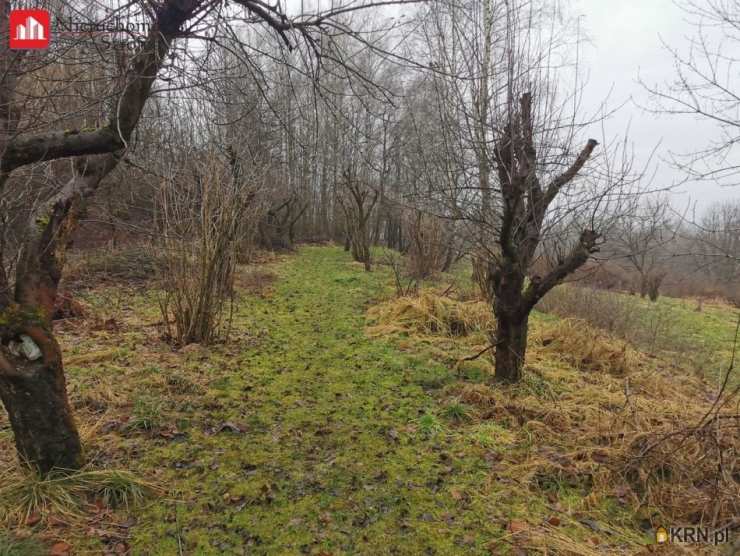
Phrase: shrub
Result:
[203,223]
[430,249]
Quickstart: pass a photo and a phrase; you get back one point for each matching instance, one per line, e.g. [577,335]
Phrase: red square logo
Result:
[29,29]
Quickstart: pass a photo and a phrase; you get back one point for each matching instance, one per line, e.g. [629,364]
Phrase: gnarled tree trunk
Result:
[35,396]
[502,273]
[32,383]
[512,315]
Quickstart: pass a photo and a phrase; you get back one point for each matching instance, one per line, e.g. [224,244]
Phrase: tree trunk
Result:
[32,383]
[511,347]
[643,285]
[35,397]
[366,257]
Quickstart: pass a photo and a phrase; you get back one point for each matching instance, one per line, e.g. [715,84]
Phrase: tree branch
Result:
[580,253]
[556,185]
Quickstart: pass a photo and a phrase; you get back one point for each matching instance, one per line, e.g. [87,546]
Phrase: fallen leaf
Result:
[554,520]
[33,519]
[600,456]
[60,548]
[517,526]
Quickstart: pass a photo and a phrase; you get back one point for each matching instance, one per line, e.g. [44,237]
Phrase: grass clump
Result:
[492,436]
[146,414]
[66,493]
[458,412]
[588,349]
[430,313]
[181,384]
[429,425]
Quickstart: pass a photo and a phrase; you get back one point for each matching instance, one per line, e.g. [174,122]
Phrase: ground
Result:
[315,430]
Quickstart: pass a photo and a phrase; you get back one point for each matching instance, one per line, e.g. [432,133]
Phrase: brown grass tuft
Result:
[430,313]
[587,349]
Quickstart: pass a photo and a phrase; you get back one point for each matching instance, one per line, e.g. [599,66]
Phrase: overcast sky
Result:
[624,43]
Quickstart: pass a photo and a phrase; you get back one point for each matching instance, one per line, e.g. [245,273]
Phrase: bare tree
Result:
[277,227]
[642,240]
[714,248]
[358,202]
[517,157]
[525,205]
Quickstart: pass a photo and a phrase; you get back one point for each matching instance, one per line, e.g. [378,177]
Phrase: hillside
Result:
[327,425]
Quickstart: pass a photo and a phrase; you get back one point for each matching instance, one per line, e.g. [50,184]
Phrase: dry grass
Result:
[114,368]
[431,313]
[588,349]
[595,415]
[65,494]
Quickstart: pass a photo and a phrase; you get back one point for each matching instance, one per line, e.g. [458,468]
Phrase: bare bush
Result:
[651,329]
[203,220]
[405,286]
[612,313]
[430,244]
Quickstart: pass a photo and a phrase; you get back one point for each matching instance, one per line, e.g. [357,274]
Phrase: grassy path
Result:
[331,457]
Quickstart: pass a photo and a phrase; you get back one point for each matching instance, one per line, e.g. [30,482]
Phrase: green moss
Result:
[15,318]
[42,222]
[330,458]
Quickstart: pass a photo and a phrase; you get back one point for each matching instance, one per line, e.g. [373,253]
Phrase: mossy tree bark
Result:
[32,382]
[34,394]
